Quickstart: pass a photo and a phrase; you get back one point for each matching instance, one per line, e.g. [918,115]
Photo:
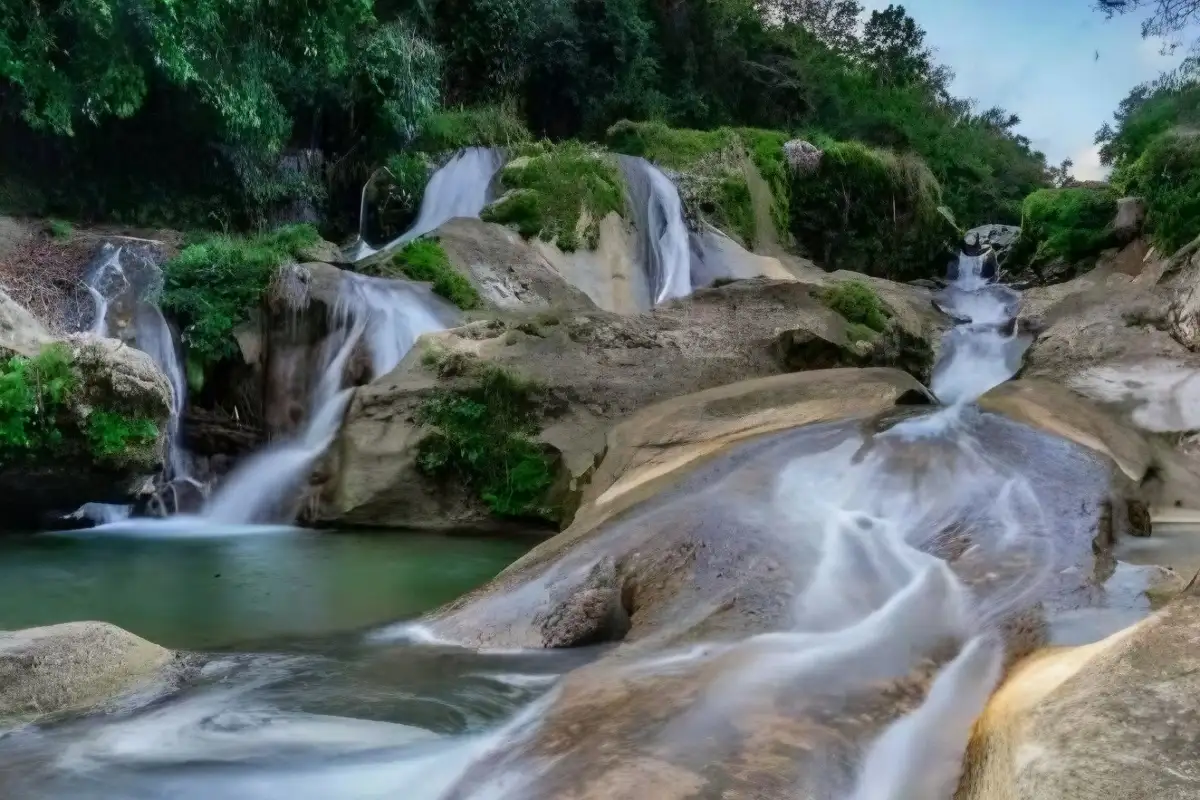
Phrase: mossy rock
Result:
[710,169]
[559,193]
[480,126]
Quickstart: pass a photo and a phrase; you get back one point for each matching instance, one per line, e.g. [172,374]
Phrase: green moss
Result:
[871,211]
[482,126]
[482,437]
[59,229]
[857,332]
[674,148]
[115,437]
[766,151]
[1065,225]
[734,208]
[1167,177]
[214,283]
[33,397]
[551,190]
[858,303]
[35,423]
[426,260]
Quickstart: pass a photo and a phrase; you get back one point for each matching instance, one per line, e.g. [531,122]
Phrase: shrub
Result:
[871,211]
[214,283]
[551,190]
[482,437]
[858,303]
[1167,176]
[425,260]
[1065,225]
[34,395]
[482,126]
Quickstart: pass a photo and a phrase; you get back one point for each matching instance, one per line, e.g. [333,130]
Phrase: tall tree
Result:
[1169,19]
[832,22]
[893,44]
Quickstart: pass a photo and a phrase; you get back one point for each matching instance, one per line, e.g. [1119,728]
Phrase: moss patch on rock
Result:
[559,193]
[481,126]
[37,398]
[212,286]
[858,303]
[1070,225]
[483,438]
[870,210]
[425,260]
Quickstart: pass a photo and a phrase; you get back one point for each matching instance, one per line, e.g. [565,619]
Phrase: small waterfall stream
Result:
[460,188]
[662,234]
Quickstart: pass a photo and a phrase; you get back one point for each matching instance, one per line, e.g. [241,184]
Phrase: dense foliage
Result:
[34,397]
[1065,225]
[213,284]
[871,211]
[559,193]
[482,436]
[209,93]
[1154,153]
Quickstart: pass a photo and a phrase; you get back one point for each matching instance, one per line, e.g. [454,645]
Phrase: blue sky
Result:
[1037,58]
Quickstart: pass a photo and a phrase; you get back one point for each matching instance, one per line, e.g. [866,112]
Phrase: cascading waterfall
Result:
[154,337]
[461,188]
[986,348]
[389,315]
[104,280]
[663,245]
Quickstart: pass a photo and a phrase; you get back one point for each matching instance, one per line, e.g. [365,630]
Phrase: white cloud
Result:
[1087,165]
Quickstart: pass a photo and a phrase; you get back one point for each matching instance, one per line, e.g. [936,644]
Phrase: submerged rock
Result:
[72,666]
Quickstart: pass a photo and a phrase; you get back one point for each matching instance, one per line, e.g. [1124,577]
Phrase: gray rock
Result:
[72,666]
[1131,213]
[803,157]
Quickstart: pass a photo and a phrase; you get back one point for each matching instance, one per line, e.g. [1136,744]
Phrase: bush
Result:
[1167,176]
[482,438]
[213,284]
[552,189]
[870,211]
[34,395]
[58,229]
[858,303]
[1065,225]
[425,260]
[483,126]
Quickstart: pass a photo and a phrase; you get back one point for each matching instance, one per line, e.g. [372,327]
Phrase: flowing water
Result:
[460,188]
[904,546]
[663,246]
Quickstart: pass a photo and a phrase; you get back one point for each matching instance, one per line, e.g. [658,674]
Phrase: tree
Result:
[1168,18]
[1060,176]
[832,22]
[894,47]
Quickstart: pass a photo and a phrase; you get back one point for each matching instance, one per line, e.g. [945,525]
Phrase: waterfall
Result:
[461,188]
[663,247]
[986,348]
[389,315]
[154,337]
[104,279]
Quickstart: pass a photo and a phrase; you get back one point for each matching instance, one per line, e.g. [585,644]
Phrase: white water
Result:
[461,188]
[154,338]
[986,350]
[97,282]
[663,247]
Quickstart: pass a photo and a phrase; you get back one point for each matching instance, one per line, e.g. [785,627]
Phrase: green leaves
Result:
[33,393]
[481,437]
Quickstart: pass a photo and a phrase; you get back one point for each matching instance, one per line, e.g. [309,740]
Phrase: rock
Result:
[690,553]
[1001,238]
[721,259]
[71,667]
[609,274]
[595,368]
[108,377]
[1131,213]
[323,252]
[802,157]
[1117,718]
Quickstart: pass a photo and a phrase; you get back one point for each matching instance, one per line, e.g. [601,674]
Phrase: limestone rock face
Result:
[594,369]
[72,666]
[1117,718]
[1131,213]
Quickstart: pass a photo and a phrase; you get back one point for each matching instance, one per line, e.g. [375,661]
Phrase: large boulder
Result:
[108,429]
[703,558]
[592,369]
[72,666]
[1118,718]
